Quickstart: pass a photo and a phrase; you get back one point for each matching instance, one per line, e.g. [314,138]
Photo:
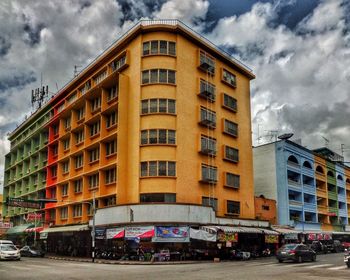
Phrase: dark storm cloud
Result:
[18,80]
[32,33]
[134,9]
[5,46]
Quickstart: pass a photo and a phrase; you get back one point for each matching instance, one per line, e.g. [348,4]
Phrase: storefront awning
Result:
[269,231]
[65,229]
[34,229]
[228,229]
[286,230]
[19,229]
[202,235]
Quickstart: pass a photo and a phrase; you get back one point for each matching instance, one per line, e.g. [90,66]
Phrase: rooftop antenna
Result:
[273,134]
[76,71]
[39,95]
[326,141]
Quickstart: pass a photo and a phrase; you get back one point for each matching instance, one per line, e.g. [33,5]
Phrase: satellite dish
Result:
[285,136]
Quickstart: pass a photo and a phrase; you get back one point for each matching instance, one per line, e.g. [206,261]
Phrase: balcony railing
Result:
[294,183]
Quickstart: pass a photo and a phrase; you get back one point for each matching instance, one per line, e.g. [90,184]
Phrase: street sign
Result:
[25,203]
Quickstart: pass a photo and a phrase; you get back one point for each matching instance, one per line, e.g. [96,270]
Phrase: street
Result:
[328,266]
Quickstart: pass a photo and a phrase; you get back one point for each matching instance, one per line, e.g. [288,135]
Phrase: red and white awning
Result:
[139,232]
[34,229]
[112,233]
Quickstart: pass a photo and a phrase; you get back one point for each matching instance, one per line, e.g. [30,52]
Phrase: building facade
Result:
[162,116]
[311,188]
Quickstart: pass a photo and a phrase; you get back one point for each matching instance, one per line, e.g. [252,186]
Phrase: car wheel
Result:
[348,264]
[280,261]
[300,259]
[313,258]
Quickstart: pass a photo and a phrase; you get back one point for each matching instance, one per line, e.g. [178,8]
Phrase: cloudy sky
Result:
[298,49]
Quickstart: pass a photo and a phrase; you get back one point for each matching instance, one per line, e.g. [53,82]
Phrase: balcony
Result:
[294,183]
[322,209]
[332,195]
[321,192]
[309,189]
[333,210]
[293,164]
[310,207]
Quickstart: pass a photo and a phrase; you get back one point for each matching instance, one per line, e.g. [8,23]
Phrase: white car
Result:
[9,252]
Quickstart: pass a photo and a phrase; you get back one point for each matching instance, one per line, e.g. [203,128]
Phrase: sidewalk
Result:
[89,260]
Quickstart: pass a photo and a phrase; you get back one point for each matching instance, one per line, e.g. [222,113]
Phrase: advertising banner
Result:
[291,236]
[139,232]
[224,237]
[271,238]
[171,234]
[319,236]
[112,233]
[311,236]
[100,233]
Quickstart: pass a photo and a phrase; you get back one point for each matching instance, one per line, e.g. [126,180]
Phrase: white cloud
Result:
[302,75]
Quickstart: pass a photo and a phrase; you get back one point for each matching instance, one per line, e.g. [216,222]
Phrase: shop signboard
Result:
[224,237]
[319,236]
[269,238]
[171,234]
[327,236]
[139,232]
[113,233]
[291,236]
[100,233]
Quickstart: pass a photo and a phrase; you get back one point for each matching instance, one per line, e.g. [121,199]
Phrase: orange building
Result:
[265,209]
[162,116]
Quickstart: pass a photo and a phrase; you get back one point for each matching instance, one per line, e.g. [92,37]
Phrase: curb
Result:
[121,262]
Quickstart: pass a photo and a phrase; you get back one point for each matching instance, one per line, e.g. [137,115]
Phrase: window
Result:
[229,102]
[111,148]
[232,180]
[155,76]
[158,197]
[162,105]
[35,180]
[209,174]
[233,207]
[228,78]
[111,119]
[159,47]
[110,176]
[118,63]
[79,137]
[231,154]
[208,145]
[112,93]
[158,168]
[66,123]
[72,98]
[55,129]
[66,144]
[265,207]
[212,202]
[77,210]
[80,113]
[54,171]
[207,117]
[64,213]
[65,167]
[86,87]
[95,104]
[206,63]
[93,181]
[207,91]
[94,155]
[94,128]
[78,186]
[55,150]
[158,136]
[230,128]
[64,190]
[99,78]
[109,201]
[79,160]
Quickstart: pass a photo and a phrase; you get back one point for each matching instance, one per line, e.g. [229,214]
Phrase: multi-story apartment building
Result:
[162,116]
[311,187]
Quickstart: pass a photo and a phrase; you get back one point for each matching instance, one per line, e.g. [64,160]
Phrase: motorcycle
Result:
[347,257]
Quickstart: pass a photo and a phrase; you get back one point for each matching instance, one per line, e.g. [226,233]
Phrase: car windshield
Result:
[288,247]
[8,247]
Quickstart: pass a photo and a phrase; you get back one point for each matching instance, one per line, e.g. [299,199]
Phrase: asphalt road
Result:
[328,266]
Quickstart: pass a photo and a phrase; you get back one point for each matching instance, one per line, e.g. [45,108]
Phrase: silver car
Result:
[9,252]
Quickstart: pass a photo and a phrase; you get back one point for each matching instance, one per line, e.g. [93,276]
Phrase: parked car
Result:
[27,251]
[347,257]
[333,246]
[296,253]
[9,252]
[318,247]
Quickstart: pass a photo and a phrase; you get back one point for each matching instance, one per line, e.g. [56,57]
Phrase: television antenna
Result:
[39,96]
[76,70]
